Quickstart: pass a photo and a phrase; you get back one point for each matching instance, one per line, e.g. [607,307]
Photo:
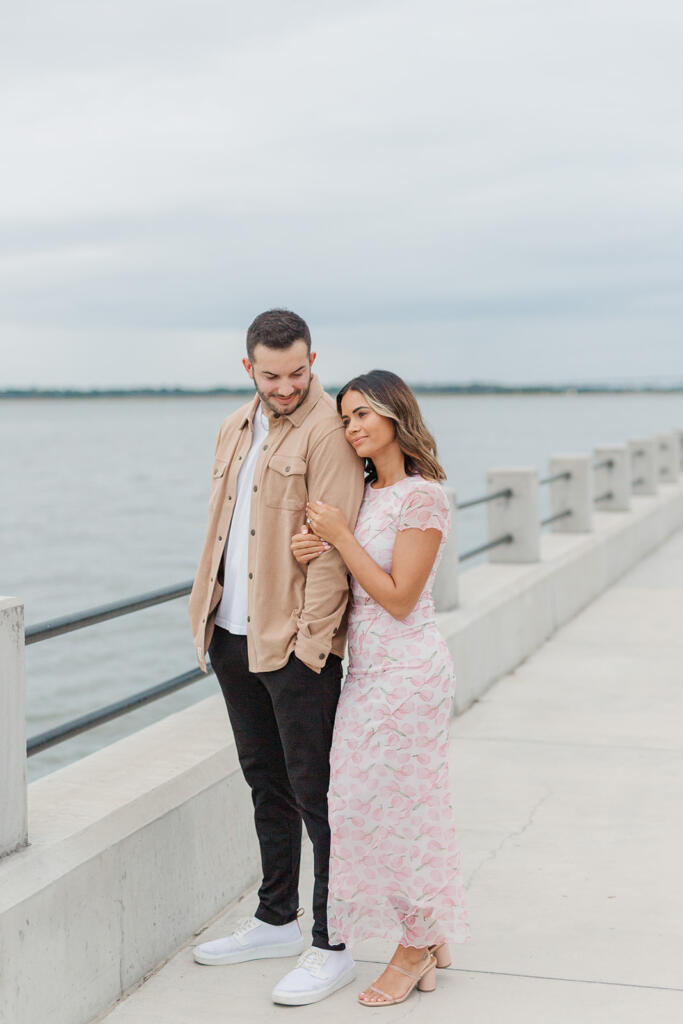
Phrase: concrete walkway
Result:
[568,788]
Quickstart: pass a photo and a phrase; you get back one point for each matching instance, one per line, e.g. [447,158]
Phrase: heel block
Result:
[428,982]
[442,954]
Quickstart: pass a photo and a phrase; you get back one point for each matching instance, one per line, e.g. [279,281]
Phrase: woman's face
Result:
[367,432]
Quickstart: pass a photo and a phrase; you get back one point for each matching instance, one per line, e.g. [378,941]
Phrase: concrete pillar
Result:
[574,492]
[517,515]
[13,825]
[445,591]
[644,465]
[679,434]
[668,457]
[613,475]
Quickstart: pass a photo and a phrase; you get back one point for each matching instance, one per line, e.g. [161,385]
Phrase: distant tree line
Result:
[475,388]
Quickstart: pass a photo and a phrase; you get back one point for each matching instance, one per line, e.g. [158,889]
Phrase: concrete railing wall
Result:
[136,847]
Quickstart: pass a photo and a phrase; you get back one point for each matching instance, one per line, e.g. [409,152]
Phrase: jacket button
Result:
[253,533]
[255,487]
[248,618]
[230,497]
[251,575]
[220,538]
[334,632]
[322,657]
[239,457]
[212,579]
[265,447]
[287,469]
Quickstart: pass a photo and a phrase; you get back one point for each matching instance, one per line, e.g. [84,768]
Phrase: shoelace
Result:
[313,960]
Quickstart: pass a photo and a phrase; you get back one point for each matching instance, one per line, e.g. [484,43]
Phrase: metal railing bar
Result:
[558,515]
[605,464]
[79,620]
[60,733]
[605,496]
[557,476]
[507,539]
[507,493]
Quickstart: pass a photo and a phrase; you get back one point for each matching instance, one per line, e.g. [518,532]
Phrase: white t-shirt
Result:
[232,610]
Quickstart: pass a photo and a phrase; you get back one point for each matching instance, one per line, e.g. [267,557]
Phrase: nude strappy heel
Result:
[425,981]
[442,954]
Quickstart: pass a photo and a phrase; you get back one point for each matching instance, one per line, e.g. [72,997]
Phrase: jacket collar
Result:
[297,416]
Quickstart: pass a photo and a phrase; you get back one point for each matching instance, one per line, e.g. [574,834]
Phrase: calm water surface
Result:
[106,498]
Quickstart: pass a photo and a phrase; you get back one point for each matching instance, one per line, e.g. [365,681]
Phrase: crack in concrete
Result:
[511,835]
[119,900]
[542,977]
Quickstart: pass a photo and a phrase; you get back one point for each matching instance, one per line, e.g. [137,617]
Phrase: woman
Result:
[394,865]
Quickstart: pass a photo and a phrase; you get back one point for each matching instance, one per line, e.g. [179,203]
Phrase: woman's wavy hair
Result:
[389,396]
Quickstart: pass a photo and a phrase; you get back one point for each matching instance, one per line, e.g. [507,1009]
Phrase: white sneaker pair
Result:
[318,972]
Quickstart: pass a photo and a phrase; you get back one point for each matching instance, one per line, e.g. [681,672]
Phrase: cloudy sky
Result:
[490,189]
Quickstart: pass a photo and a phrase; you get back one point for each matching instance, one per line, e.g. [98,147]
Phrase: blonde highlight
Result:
[389,396]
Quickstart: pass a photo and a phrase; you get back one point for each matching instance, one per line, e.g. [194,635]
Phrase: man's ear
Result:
[311,358]
[248,367]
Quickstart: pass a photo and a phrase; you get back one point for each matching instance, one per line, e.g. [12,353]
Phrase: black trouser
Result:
[283,723]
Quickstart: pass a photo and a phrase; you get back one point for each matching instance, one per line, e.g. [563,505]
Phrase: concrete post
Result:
[668,457]
[13,834]
[613,478]
[517,515]
[445,591]
[644,463]
[574,493]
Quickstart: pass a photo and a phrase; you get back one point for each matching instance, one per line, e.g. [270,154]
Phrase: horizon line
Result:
[472,387]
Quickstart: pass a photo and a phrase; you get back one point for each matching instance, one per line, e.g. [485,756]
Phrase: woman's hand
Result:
[305,546]
[327,521]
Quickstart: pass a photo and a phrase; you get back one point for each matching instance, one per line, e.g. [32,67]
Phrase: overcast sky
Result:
[489,189]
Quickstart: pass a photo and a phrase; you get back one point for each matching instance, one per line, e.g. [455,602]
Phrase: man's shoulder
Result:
[323,418]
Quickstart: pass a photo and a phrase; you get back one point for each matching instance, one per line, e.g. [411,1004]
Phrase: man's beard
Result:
[280,412]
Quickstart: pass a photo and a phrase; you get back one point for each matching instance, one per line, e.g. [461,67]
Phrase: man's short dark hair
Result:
[277,328]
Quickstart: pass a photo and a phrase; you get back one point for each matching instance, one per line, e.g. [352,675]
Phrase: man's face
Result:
[282,376]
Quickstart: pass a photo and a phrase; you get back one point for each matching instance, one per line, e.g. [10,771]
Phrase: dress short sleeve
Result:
[425,507]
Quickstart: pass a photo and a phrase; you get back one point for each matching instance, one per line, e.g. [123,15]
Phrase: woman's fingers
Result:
[306,546]
[305,540]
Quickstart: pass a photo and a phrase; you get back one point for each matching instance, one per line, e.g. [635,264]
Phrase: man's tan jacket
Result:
[291,607]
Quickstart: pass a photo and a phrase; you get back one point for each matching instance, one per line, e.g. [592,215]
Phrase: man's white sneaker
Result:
[318,973]
[252,940]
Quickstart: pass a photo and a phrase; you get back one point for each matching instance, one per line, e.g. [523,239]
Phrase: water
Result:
[106,498]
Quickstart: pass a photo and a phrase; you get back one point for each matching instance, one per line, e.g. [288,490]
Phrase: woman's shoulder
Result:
[424,504]
[419,485]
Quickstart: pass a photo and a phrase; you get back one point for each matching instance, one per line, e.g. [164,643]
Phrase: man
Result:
[275,632]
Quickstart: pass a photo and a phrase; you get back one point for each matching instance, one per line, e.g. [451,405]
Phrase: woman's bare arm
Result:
[414,553]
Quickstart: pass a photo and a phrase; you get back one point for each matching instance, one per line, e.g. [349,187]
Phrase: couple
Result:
[269,603]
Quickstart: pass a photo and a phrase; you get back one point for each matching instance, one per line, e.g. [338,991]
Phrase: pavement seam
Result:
[544,977]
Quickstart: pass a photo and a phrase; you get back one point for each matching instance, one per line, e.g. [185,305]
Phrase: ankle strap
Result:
[429,961]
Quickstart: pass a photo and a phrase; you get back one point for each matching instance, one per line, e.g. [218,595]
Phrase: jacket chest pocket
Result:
[217,479]
[285,483]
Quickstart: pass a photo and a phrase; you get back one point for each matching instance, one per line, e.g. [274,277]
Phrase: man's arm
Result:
[334,474]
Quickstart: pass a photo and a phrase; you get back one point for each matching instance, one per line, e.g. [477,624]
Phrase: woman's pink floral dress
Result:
[394,864]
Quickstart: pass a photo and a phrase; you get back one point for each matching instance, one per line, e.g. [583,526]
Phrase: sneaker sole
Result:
[257,953]
[304,998]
